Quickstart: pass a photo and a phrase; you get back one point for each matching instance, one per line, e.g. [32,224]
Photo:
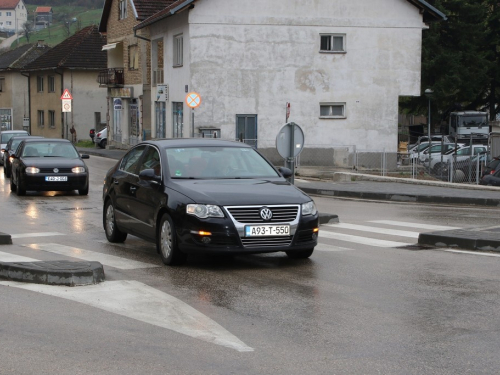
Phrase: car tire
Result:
[85,190]
[302,254]
[21,188]
[103,143]
[6,171]
[113,234]
[13,186]
[166,243]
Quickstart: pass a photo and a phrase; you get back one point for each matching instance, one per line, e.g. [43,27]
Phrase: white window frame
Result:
[178,50]
[41,118]
[52,118]
[331,105]
[8,14]
[122,9]
[330,45]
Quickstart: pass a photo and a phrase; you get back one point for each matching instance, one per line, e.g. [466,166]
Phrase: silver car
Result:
[5,135]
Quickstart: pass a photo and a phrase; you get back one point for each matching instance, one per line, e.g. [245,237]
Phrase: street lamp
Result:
[429,93]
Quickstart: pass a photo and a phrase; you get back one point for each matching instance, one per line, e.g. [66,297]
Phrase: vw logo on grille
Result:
[266,213]
[56,170]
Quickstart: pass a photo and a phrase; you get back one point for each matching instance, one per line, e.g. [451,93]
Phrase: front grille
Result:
[251,214]
[266,241]
[51,170]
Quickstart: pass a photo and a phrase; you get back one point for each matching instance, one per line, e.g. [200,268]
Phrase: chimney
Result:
[40,43]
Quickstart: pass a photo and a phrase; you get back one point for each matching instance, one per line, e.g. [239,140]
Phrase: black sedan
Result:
[491,179]
[10,149]
[207,196]
[46,164]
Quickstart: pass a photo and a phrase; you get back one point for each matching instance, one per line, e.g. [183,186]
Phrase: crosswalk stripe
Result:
[361,240]
[393,232]
[472,252]
[8,257]
[28,235]
[414,225]
[141,302]
[324,247]
[105,259]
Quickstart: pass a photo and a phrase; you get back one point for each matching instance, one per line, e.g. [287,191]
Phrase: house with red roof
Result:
[127,77]
[341,65]
[43,17]
[13,15]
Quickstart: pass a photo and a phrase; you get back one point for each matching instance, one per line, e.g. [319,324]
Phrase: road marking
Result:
[105,259]
[472,252]
[8,257]
[414,225]
[361,240]
[141,302]
[324,247]
[27,235]
[393,232]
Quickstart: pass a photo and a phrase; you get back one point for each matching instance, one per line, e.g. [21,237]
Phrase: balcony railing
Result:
[111,77]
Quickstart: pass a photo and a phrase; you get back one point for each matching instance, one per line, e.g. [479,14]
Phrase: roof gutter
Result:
[141,37]
[430,9]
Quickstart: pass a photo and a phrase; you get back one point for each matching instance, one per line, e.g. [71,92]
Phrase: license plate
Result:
[56,178]
[267,230]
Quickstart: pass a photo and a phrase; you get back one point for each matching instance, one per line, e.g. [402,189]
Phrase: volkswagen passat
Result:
[207,196]
[46,164]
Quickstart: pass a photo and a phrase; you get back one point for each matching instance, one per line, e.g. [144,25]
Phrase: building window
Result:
[332,43]
[41,118]
[133,57]
[52,119]
[9,14]
[9,23]
[39,83]
[178,50]
[122,11]
[0,13]
[246,129]
[52,84]
[332,110]
[2,84]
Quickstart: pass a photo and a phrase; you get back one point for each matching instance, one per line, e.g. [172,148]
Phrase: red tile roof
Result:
[80,51]
[43,9]
[8,4]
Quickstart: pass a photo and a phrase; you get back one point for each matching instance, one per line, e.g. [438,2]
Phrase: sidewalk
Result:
[340,184]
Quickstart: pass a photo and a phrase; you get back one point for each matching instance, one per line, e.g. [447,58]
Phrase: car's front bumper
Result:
[37,182]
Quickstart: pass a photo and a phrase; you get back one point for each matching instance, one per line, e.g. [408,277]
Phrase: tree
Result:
[27,30]
[460,59]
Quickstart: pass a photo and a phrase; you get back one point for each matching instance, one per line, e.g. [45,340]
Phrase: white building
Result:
[341,64]
[13,15]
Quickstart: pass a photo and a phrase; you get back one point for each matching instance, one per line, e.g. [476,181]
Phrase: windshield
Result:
[473,121]
[218,162]
[7,136]
[48,149]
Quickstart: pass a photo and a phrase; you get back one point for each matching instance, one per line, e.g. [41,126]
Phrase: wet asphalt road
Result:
[353,308]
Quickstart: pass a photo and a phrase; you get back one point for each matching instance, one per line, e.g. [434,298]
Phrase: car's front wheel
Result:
[13,186]
[166,243]
[302,254]
[84,191]
[21,186]
[6,171]
[113,234]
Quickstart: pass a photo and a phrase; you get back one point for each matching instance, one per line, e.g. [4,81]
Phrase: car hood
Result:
[52,162]
[233,192]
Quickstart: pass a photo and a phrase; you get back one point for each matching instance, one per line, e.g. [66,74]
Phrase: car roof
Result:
[193,142]
[13,131]
[40,139]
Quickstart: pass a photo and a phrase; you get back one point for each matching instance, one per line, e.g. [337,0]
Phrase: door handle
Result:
[133,189]
[117,182]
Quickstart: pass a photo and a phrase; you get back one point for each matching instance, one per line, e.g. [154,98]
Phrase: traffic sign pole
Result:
[193,100]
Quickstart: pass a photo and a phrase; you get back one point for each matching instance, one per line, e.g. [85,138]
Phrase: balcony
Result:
[111,77]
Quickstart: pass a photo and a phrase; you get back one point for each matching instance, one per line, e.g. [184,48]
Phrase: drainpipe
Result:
[141,37]
[62,115]
[29,100]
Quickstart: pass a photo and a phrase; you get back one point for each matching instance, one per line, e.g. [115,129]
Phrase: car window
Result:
[151,160]
[50,149]
[131,160]
[6,136]
[464,151]
[478,150]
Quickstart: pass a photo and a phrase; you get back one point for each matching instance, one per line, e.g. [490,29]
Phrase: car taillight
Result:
[492,171]
[98,134]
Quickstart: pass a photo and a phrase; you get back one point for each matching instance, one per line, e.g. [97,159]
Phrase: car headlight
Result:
[204,210]
[78,170]
[32,170]
[309,208]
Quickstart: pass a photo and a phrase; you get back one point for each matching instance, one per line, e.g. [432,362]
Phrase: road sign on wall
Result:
[66,95]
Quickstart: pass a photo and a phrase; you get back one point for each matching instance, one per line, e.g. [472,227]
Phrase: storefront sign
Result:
[122,92]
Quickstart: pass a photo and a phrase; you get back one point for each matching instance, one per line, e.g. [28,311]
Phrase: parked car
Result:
[455,155]
[10,149]
[48,164]
[491,179]
[207,196]
[434,138]
[5,135]
[435,150]
[466,170]
[101,138]
[492,166]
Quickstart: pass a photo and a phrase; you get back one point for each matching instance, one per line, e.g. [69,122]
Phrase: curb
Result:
[403,197]
[60,272]
[5,239]
[328,218]
[463,239]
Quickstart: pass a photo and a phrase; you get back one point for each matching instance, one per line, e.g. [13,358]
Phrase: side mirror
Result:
[85,156]
[149,175]
[285,172]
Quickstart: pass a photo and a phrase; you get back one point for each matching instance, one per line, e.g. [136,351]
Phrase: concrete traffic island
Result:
[59,272]
[481,239]
[5,239]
